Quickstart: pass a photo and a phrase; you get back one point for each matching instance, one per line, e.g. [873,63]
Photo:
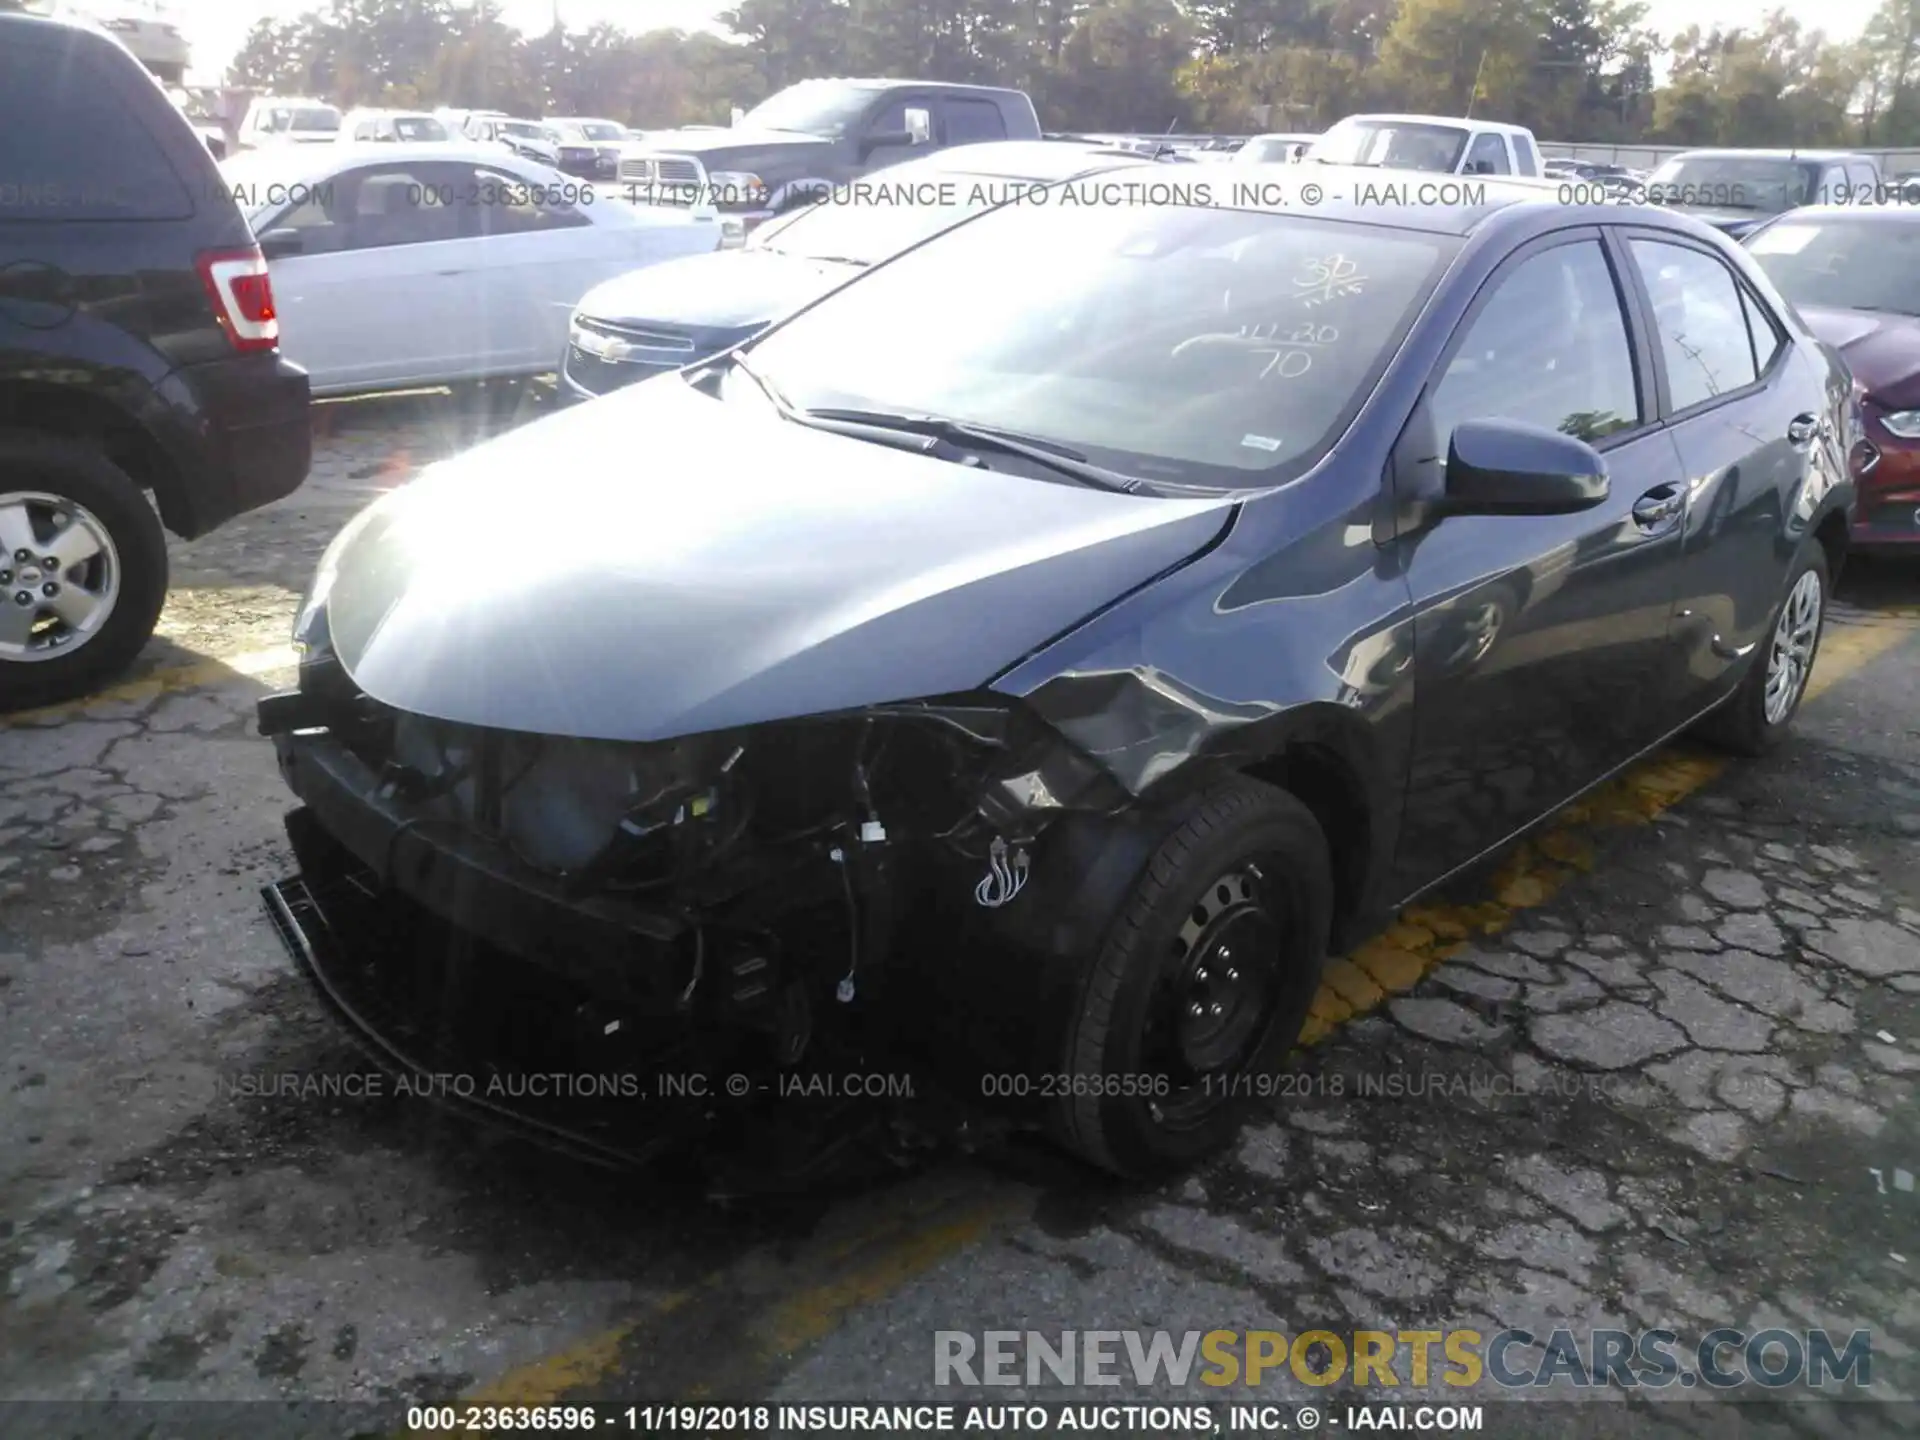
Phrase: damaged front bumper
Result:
[748,900]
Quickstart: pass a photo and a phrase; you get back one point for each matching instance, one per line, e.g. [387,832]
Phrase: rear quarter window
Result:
[73,149]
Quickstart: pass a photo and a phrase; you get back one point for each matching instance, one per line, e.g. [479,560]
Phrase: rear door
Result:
[1747,409]
[1487,155]
[533,255]
[968,121]
[1542,656]
[382,293]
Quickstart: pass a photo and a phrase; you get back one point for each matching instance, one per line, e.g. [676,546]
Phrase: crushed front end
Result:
[754,903]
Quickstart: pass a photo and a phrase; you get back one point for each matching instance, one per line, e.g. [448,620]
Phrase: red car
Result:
[1853,273]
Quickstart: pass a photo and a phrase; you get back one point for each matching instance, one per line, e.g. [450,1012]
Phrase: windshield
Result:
[1259,151]
[523,128]
[1401,145]
[813,107]
[1197,344]
[319,119]
[418,127]
[868,221]
[1734,182]
[1845,264]
[598,130]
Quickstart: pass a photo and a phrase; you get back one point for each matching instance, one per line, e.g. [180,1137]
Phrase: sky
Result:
[216,28]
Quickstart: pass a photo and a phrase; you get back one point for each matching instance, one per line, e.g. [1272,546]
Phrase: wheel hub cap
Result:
[1222,990]
[59,576]
[1790,656]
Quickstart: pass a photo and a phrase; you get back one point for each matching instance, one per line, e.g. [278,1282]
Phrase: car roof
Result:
[305,163]
[1457,121]
[1353,193]
[1735,152]
[870,83]
[1021,160]
[1895,214]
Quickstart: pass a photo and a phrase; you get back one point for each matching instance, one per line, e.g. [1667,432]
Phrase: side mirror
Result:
[278,243]
[885,139]
[1505,467]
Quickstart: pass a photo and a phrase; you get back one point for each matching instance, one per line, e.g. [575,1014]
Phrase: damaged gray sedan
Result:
[1009,661]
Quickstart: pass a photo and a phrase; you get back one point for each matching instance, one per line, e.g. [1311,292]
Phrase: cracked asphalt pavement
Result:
[1656,1069]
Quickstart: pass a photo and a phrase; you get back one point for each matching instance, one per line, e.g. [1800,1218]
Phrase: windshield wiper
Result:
[780,402]
[1059,458]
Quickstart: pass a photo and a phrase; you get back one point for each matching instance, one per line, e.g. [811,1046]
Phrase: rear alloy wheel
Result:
[1202,985]
[1757,716]
[83,571]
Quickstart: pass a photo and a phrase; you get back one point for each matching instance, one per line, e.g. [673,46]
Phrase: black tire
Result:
[79,476]
[1741,724]
[1124,996]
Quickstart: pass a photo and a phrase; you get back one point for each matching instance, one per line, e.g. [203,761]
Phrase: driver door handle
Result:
[1658,508]
[1804,428]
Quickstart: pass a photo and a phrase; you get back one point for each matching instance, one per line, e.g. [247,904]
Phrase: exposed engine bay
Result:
[748,894]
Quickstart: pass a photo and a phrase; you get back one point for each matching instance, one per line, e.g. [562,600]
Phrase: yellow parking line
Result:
[1426,934]
[1395,961]
[170,679]
[1392,962]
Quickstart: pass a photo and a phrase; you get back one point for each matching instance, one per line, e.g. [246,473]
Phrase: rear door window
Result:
[392,205]
[971,120]
[71,148]
[1488,156]
[1702,322]
[496,202]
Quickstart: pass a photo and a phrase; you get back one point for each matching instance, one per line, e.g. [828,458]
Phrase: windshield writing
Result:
[1204,345]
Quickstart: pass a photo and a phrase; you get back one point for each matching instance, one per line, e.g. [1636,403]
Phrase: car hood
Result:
[698,142]
[721,287]
[731,569]
[1881,349]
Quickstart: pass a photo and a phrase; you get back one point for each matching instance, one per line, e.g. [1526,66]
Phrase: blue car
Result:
[687,310]
[1026,663]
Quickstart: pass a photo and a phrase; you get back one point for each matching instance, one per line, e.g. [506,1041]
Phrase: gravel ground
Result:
[1658,1070]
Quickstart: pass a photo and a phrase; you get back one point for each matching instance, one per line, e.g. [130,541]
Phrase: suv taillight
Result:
[242,295]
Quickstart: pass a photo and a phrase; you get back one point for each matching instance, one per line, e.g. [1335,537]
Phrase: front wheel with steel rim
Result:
[83,570]
[1201,986]
[1758,715]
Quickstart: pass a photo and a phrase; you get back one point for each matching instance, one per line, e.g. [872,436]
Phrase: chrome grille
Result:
[663,179]
[639,336]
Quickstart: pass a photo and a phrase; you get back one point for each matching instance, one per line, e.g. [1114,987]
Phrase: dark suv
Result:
[139,355]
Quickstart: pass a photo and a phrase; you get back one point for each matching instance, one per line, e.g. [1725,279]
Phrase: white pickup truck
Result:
[1439,143]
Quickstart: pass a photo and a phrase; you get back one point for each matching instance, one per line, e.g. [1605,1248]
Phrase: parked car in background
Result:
[526,138]
[587,148]
[391,127]
[801,142]
[1039,651]
[429,264]
[149,29]
[1437,143]
[1266,149]
[668,316]
[280,120]
[209,131]
[1853,273]
[1738,190]
[138,358]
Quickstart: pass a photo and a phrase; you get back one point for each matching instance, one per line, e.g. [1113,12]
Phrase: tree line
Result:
[1570,69]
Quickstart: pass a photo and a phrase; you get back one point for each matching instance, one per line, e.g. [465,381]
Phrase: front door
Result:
[1542,642]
